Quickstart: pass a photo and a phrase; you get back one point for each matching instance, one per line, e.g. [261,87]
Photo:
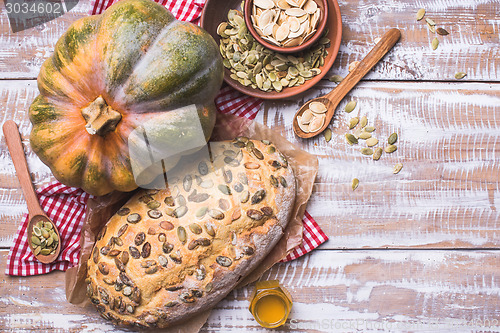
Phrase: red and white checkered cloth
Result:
[66,206]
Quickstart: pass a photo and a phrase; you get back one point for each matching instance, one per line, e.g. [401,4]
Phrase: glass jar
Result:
[270,304]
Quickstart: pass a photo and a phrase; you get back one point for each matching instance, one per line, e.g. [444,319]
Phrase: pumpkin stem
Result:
[100,117]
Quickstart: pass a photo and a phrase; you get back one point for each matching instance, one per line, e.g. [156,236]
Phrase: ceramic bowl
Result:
[215,12]
[322,5]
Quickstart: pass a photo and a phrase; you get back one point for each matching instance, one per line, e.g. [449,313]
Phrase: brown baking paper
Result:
[99,210]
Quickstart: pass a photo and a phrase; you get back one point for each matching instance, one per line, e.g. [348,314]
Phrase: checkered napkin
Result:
[66,206]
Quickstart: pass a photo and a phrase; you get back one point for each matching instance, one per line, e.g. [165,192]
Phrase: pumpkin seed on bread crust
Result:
[201,248]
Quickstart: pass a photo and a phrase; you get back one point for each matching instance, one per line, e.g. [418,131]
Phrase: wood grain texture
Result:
[446,195]
[445,198]
[472,46]
[332,99]
[449,189]
[345,291]
[15,98]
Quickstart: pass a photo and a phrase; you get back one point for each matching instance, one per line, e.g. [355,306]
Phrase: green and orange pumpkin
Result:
[111,75]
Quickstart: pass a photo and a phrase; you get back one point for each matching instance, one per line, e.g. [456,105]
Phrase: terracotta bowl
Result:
[322,5]
[215,12]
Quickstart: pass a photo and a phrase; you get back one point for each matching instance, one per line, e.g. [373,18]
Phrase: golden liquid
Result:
[270,309]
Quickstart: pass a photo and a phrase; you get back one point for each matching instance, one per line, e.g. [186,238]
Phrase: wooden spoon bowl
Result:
[36,213]
[333,98]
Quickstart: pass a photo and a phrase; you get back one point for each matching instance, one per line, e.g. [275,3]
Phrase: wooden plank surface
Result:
[472,46]
[333,291]
[447,194]
[424,247]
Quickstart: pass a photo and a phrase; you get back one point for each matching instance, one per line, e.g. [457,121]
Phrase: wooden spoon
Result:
[333,98]
[36,214]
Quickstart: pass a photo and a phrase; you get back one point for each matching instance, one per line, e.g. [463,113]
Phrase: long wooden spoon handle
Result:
[389,39]
[13,139]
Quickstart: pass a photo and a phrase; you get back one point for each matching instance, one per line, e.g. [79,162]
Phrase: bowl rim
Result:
[335,38]
[293,49]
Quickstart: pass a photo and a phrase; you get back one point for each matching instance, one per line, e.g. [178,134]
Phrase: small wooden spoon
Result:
[36,214]
[333,98]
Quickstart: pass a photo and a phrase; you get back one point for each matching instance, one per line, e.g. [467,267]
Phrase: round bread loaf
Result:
[169,254]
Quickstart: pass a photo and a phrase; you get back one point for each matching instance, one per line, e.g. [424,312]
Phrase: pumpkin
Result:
[132,73]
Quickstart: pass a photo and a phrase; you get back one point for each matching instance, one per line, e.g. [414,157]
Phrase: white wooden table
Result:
[418,251]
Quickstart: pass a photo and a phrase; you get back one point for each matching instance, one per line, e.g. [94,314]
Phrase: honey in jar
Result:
[270,304]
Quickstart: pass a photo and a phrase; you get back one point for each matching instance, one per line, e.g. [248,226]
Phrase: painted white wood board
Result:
[333,291]
[446,195]
[473,45]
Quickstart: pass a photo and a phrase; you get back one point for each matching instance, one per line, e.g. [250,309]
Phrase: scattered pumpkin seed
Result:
[442,32]
[390,149]
[355,183]
[351,139]
[420,14]
[430,21]
[435,43]
[328,134]
[336,78]
[369,129]
[393,138]
[431,28]
[397,168]
[350,106]
[353,65]
[364,135]
[366,151]
[460,75]
[371,142]
[363,122]
[377,153]
[353,122]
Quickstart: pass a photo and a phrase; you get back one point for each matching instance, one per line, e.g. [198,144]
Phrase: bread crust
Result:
[169,254]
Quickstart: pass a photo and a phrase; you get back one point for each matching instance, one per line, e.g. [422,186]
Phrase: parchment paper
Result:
[99,210]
